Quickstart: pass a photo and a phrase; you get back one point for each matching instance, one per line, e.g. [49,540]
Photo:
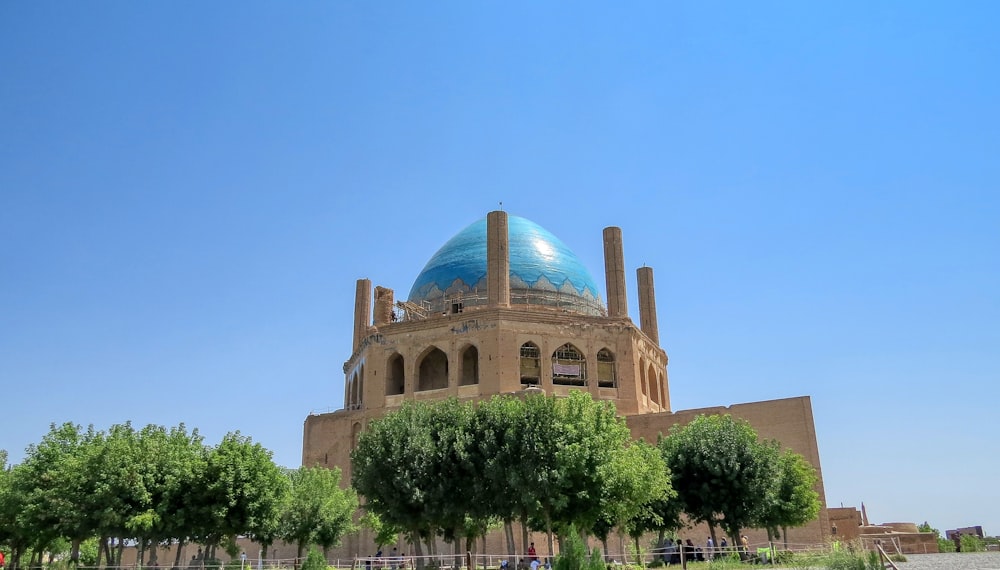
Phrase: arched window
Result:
[661,378]
[433,371]
[654,388]
[569,367]
[470,367]
[605,369]
[360,398]
[352,394]
[642,377]
[394,377]
[355,434]
[530,364]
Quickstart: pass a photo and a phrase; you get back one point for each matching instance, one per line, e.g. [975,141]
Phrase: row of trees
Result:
[157,485]
[456,470]
[447,469]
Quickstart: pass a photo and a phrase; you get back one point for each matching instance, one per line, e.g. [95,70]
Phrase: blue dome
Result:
[543,271]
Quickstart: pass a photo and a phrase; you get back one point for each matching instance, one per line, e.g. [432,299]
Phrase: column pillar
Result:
[614,272]
[647,304]
[384,299]
[497,260]
[362,310]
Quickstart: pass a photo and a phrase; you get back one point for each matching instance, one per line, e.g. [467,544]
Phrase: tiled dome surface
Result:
[542,269]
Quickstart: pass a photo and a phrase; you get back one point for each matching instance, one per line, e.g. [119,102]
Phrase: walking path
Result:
[952,561]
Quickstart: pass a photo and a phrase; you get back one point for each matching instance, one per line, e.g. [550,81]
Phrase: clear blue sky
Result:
[189,190]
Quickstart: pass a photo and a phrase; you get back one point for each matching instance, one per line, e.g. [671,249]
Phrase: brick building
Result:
[503,306]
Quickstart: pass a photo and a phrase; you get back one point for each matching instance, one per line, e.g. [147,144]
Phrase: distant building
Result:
[976,531]
[505,306]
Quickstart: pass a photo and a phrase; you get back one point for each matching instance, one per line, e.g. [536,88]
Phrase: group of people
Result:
[394,561]
[690,552]
[535,563]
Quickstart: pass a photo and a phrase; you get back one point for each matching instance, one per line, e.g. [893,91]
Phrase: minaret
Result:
[497,260]
[384,298]
[614,272]
[647,304]
[362,310]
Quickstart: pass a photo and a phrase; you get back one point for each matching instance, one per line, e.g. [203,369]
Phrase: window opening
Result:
[605,369]
[569,368]
[531,359]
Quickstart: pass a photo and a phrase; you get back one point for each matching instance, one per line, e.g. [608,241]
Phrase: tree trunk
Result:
[524,532]
[16,557]
[177,556]
[508,531]
[418,552]
[298,554]
[102,548]
[548,529]
[784,536]
[118,554]
[154,559]
[457,549]
[74,551]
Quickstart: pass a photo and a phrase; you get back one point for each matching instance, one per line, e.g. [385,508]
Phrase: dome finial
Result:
[501,205]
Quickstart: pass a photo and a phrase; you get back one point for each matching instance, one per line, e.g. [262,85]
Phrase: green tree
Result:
[384,532]
[171,457]
[391,470]
[238,489]
[14,531]
[795,500]
[316,509]
[723,475]
[453,488]
[641,498]
[56,489]
[511,452]
[118,476]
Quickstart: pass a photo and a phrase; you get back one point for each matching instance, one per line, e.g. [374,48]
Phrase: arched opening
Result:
[470,367]
[360,399]
[569,367]
[605,369]
[531,360]
[433,371]
[661,378]
[351,393]
[355,434]
[394,378]
[654,391]
[642,378]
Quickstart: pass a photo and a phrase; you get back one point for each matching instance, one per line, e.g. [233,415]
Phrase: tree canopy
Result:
[149,486]
[723,475]
[552,463]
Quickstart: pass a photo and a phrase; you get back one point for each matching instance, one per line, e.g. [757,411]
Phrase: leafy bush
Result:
[971,543]
[945,545]
[573,554]
[784,557]
[88,552]
[845,560]
[314,561]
